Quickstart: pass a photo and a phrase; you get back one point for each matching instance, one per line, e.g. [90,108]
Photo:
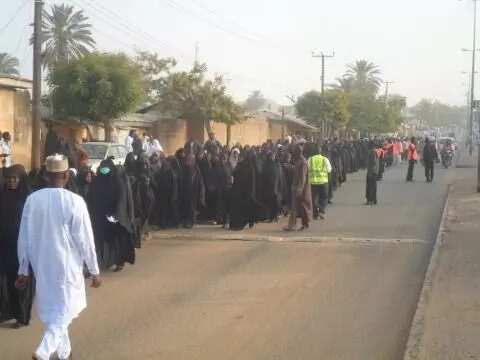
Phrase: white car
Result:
[99,151]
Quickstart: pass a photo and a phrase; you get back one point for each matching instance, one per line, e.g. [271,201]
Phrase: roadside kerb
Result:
[195,236]
[417,329]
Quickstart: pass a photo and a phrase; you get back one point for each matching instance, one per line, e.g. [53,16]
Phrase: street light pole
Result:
[472,80]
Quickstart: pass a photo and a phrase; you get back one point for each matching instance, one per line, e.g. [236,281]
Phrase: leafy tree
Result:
[436,114]
[329,112]
[255,101]
[8,64]
[189,95]
[336,108]
[99,87]
[309,107]
[66,35]
[366,76]
[155,70]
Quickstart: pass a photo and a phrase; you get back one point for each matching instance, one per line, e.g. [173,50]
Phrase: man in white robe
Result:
[56,239]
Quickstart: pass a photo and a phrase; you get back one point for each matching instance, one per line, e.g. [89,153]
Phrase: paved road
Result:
[329,299]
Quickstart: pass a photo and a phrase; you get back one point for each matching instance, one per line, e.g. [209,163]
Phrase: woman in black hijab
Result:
[243,194]
[111,209]
[84,180]
[14,303]
[167,195]
[193,191]
[143,198]
[272,187]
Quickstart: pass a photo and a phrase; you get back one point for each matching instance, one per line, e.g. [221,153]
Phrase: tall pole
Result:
[387,86]
[323,75]
[472,81]
[197,53]
[37,85]
[323,56]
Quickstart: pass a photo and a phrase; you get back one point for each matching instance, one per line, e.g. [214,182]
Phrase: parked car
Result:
[98,151]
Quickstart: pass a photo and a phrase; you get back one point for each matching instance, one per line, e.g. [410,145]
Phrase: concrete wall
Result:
[7,109]
[172,134]
[22,129]
[16,118]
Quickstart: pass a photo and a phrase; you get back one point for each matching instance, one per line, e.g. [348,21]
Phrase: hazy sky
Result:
[267,44]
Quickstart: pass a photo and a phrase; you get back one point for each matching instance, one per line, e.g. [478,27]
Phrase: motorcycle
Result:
[447,158]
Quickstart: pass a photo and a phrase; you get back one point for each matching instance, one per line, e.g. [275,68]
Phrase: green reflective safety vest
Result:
[317,170]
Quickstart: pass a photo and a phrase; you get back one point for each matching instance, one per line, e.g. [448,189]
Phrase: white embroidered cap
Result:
[56,163]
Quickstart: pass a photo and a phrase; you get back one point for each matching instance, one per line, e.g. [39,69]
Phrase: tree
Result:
[155,70]
[436,114]
[366,76]
[66,35]
[255,101]
[189,95]
[309,107]
[366,113]
[328,112]
[99,87]
[345,83]
[8,64]
[336,109]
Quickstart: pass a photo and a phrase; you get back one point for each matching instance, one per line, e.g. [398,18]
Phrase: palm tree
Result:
[345,84]
[8,64]
[66,35]
[366,75]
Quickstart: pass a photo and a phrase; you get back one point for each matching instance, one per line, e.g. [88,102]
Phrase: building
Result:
[16,116]
[255,129]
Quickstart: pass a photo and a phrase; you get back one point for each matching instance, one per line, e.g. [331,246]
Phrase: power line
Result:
[15,14]
[191,13]
[207,9]
[132,28]
[25,31]
[107,17]
[116,21]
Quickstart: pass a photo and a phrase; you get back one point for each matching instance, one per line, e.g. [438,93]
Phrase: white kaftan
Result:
[56,238]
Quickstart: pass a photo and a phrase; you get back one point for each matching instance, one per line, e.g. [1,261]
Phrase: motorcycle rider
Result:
[447,153]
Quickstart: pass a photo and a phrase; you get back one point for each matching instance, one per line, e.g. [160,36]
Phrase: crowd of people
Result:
[208,183]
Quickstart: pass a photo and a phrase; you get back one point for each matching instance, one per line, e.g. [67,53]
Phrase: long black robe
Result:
[143,199]
[82,185]
[14,303]
[243,195]
[211,181]
[167,195]
[193,192]
[110,195]
[273,182]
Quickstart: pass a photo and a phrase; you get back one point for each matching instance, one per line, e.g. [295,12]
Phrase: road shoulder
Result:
[447,322]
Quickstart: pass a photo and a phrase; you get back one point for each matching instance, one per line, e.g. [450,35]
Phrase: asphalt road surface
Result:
[244,300]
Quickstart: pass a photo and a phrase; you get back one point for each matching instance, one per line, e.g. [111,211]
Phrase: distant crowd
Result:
[210,183]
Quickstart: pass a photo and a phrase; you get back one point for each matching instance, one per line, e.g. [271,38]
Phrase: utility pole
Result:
[197,53]
[37,84]
[387,86]
[472,85]
[323,57]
